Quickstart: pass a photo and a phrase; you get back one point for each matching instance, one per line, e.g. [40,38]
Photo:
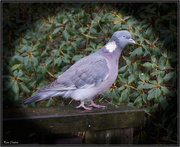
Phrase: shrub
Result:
[40,41]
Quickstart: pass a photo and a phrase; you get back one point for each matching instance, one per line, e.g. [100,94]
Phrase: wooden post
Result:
[111,125]
[114,136]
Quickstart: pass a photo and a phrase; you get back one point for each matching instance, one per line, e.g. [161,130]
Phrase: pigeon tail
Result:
[43,96]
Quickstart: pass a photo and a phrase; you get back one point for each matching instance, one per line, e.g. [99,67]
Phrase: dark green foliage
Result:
[41,41]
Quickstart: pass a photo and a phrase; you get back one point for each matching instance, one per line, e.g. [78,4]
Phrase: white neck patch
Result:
[111,46]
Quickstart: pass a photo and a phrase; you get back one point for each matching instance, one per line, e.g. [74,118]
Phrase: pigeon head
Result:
[119,40]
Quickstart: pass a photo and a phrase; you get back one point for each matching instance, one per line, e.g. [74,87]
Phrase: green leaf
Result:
[151,94]
[48,47]
[160,79]
[56,30]
[25,79]
[9,84]
[155,40]
[153,59]
[147,65]
[146,25]
[28,36]
[148,50]
[137,52]
[134,95]
[124,80]
[164,53]
[100,45]
[116,26]
[165,90]
[48,61]
[20,73]
[115,95]
[25,89]
[153,82]
[124,96]
[70,31]
[56,53]
[93,45]
[171,127]
[65,35]
[44,53]
[145,53]
[162,67]
[146,110]
[130,22]
[58,61]
[43,70]
[15,88]
[49,103]
[138,101]
[77,57]
[135,67]
[142,76]
[26,61]
[121,88]
[153,108]
[157,93]
[144,97]
[140,87]
[127,60]
[69,48]
[147,77]
[156,51]
[83,29]
[122,69]
[49,26]
[65,20]
[36,47]
[149,31]
[15,73]
[131,78]
[149,42]
[149,86]
[74,45]
[65,59]
[15,67]
[58,24]
[164,103]
[130,104]
[24,41]
[35,61]
[157,72]
[168,76]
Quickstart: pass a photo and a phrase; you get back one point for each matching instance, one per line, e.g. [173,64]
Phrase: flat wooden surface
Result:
[66,119]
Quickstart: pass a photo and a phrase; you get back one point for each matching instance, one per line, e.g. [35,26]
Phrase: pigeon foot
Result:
[83,106]
[96,106]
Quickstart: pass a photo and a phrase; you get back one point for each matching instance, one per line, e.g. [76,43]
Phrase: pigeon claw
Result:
[96,106]
[85,107]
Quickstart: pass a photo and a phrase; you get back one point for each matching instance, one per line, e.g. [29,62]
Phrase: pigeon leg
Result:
[83,106]
[96,106]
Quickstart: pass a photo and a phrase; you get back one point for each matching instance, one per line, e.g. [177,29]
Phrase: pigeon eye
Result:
[124,36]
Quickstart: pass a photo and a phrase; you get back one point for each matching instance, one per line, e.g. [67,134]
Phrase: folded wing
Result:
[88,72]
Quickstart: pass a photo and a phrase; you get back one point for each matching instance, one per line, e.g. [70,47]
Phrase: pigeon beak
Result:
[132,41]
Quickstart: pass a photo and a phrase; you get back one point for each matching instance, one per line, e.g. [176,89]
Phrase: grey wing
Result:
[92,74]
[62,83]
[87,72]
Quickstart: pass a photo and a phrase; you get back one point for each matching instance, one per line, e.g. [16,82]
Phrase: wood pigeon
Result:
[88,77]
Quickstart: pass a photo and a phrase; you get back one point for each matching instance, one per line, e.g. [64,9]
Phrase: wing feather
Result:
[87,72]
